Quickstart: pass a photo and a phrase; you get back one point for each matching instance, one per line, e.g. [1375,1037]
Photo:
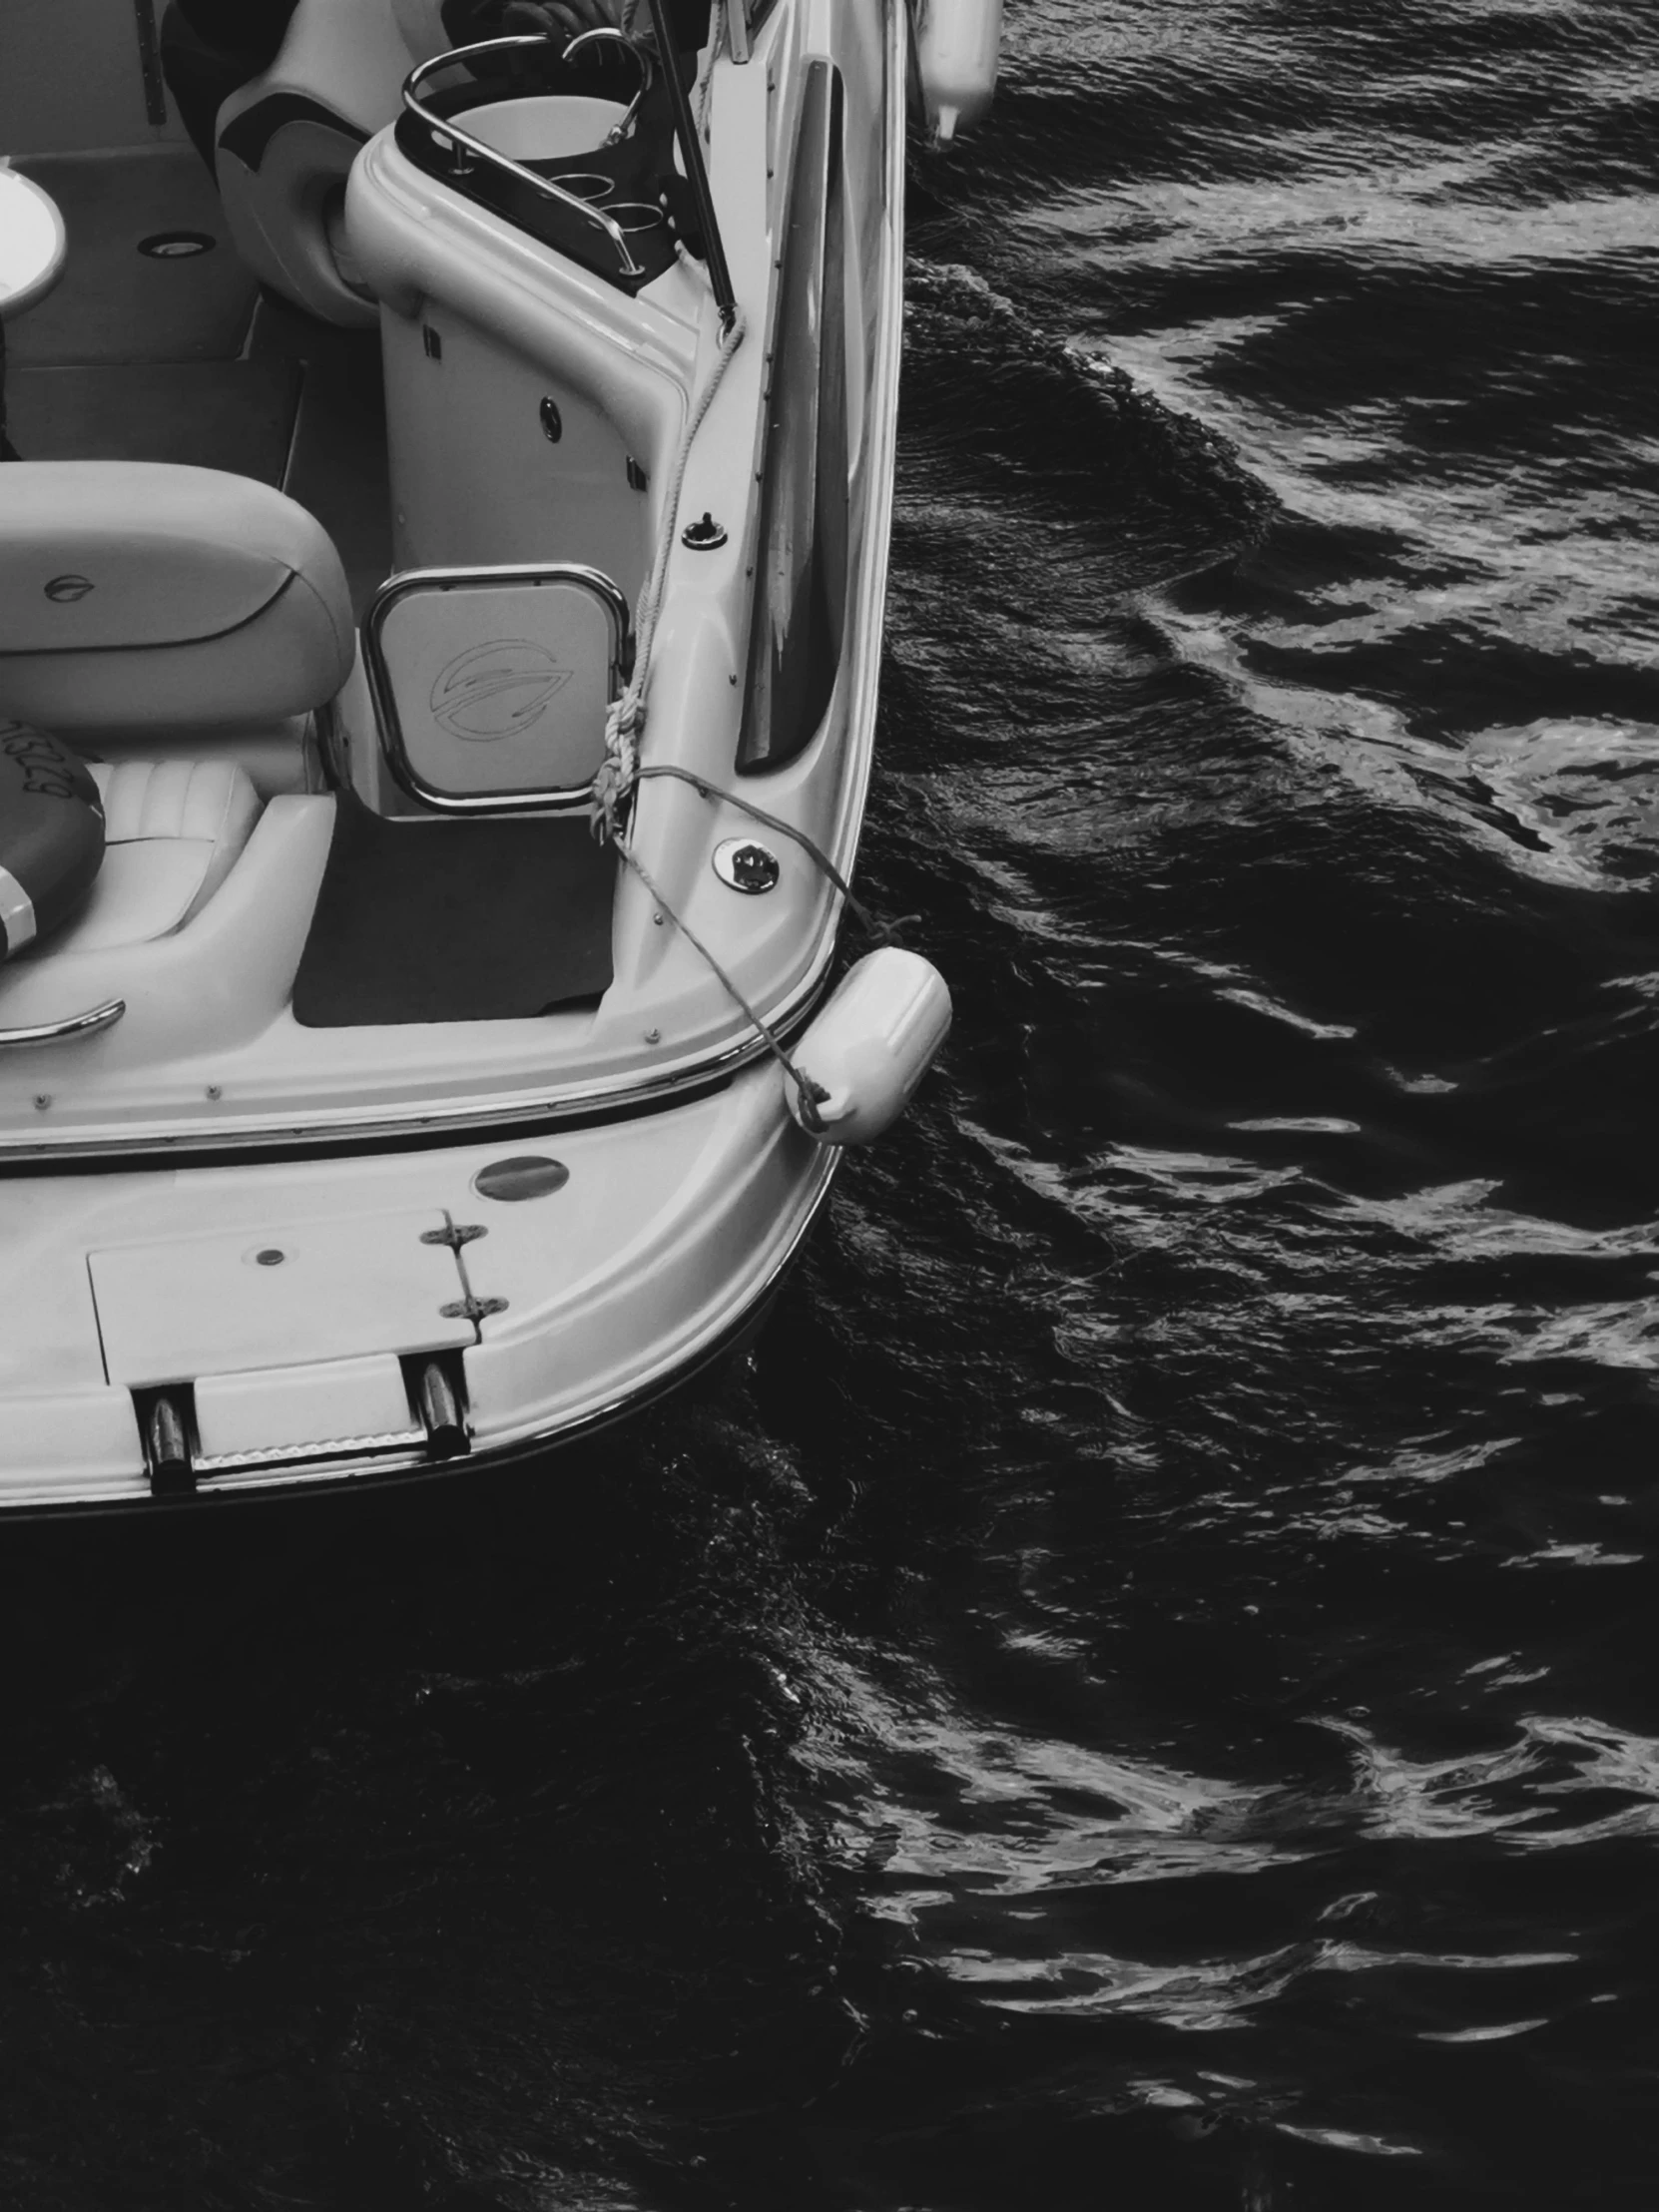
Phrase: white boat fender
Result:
[957,48]
[870,1045]
[51,833]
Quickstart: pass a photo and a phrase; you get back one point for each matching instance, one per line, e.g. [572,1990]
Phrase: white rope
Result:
[809,1095]
[619,771]
[717,31]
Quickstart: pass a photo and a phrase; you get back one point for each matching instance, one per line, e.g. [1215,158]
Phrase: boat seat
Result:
[286,139]
[173,830]
[139,598]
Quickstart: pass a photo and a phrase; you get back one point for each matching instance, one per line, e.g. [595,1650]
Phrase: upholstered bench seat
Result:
[173,830]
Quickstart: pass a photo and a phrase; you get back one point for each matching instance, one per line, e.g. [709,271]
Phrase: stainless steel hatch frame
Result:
[393,746]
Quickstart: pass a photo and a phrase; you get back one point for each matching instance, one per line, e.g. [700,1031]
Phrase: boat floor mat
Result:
[337,462]
[179,300]
[456,922]
[236,415]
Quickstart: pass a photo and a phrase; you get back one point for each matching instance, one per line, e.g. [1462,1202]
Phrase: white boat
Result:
[447,1057]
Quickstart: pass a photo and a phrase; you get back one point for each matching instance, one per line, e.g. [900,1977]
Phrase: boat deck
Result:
[146,354]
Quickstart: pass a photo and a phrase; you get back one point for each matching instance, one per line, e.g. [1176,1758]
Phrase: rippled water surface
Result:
[1146,1690]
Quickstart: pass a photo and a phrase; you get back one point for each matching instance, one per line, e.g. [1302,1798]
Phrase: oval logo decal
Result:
[498,691]
[527,1175]
[67,589]
[176,246]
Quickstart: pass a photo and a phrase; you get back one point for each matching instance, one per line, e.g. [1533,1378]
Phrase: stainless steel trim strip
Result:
[444,1125]
[17,913]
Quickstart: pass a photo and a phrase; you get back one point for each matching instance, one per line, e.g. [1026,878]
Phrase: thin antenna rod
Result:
[696,176]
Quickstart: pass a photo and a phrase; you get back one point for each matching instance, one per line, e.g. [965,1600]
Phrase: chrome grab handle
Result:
[443,128]
[648,74]
[89,1024]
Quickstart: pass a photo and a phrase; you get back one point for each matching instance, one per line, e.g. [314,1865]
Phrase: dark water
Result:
[1147,1691]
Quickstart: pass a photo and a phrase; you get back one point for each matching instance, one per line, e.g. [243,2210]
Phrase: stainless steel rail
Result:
[636,54]
[89,1024]
[464,143]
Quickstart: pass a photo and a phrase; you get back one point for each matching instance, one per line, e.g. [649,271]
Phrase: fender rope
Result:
[625,718]
[880,932]
[717,31]
[808,1095]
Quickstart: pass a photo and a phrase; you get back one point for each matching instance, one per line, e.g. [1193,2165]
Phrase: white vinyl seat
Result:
[173,830]
[136,596]
[286,141]
[181,613]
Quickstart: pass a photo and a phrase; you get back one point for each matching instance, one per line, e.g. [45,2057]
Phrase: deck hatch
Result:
[347,1286]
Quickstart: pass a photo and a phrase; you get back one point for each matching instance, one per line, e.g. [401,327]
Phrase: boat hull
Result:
[291,1304]
[256,1252]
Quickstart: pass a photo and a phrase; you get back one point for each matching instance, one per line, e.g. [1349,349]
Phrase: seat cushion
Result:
[172,831]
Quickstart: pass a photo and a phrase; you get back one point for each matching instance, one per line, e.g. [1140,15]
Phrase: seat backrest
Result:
[136,596]
[288,138]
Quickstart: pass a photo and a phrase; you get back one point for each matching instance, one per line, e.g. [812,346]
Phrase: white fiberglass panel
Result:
[327,1289]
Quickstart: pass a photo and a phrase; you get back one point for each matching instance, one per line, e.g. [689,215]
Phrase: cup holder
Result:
[583,183]
[630,217]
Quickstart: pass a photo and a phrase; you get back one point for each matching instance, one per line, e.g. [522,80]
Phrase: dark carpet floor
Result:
[116,304]
[456,922]
[236,415]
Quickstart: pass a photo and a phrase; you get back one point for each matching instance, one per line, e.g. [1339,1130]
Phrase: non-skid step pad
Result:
[456,922]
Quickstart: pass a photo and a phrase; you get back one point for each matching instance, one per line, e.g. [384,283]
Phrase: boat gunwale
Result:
[604,1098]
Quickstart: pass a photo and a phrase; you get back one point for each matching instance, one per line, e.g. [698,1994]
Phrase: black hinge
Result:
[454,1233]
